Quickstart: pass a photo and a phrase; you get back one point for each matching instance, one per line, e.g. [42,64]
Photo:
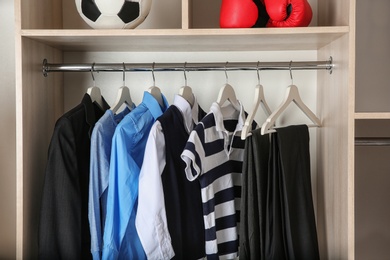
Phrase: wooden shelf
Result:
[264,39]
[372,115]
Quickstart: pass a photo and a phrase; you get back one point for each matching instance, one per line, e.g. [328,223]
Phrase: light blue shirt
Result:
[128,146]
[101,140]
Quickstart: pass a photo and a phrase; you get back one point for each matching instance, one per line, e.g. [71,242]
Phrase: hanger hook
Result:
[291,76]
[124,74]
[154,79]
[185,74]
[93,77]
[226,75]
[258,73]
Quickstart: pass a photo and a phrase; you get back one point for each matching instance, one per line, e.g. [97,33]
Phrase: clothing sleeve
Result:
[60,219]
[99,166]
[122,193]
[151,220]
[193,153]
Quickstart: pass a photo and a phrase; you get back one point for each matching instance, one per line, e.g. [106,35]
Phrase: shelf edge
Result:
[372,115]
[183,32]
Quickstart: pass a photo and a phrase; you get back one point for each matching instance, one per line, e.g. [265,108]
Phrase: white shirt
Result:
[151,221]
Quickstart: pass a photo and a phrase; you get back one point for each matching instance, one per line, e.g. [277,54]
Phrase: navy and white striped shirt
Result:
[214,153]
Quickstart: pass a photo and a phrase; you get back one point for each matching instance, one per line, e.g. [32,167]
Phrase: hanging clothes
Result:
[291,227]
[120,238]
[64,228]
[254,196]
[101,141]
[214,155]
[169,218]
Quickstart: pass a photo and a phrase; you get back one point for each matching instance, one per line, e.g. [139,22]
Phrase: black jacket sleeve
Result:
[60,220]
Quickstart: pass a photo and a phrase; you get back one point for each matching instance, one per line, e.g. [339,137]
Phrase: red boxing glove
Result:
[288,13]
[238,14]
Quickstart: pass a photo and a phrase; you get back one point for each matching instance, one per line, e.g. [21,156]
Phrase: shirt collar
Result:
[227,112]
[116,118]
[190,115]
[153,106]
[91,111]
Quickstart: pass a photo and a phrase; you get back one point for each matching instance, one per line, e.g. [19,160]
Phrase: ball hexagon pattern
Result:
[113,14]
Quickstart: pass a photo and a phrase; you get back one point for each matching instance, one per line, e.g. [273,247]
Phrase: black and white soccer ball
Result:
[113,14]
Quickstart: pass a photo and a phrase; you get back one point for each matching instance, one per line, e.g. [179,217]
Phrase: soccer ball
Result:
[113,14]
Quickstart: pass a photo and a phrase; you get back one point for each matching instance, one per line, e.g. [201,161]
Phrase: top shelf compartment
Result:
[167,14]
[177,25]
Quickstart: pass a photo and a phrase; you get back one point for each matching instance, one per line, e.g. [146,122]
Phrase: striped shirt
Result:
[214,153]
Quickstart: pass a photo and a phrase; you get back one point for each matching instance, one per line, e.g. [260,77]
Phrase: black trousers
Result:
[277,215]
[291,229]
[254,196]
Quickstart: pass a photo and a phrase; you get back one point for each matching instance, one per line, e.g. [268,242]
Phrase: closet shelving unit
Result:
[40,34]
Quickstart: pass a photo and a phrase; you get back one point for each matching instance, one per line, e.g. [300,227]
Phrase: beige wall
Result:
[7,132]
[372,56]
[372,164]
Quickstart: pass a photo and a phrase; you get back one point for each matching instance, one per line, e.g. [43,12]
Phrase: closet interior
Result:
[186,32]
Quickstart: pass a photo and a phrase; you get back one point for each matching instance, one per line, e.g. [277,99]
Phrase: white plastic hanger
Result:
[259,99]
[226,93]
[186,91]
[292,95]
[123,96]
[155,91]
[94,92]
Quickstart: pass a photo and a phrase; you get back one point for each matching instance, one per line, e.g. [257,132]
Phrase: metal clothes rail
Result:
[372,141]
[221,66]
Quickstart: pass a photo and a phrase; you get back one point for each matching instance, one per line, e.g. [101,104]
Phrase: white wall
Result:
[7,132]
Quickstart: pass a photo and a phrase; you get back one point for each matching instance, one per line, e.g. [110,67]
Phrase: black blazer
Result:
[64,227]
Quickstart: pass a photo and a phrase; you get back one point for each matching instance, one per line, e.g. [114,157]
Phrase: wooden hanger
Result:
[123,96]
[94,92]
[155,91]
[186,91]
[259,99]
[226,93]
[292,95]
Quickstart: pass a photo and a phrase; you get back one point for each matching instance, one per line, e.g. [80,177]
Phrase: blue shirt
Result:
[128,146]
[101,140]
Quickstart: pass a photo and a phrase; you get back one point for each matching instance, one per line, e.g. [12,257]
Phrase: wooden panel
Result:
[335,207]
[372,115]
[39,104]
[186,7]
[311,38]
[40,14]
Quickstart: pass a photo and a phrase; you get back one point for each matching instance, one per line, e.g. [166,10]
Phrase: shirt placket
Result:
[228,142]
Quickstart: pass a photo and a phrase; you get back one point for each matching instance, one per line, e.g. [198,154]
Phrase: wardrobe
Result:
[183,31]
